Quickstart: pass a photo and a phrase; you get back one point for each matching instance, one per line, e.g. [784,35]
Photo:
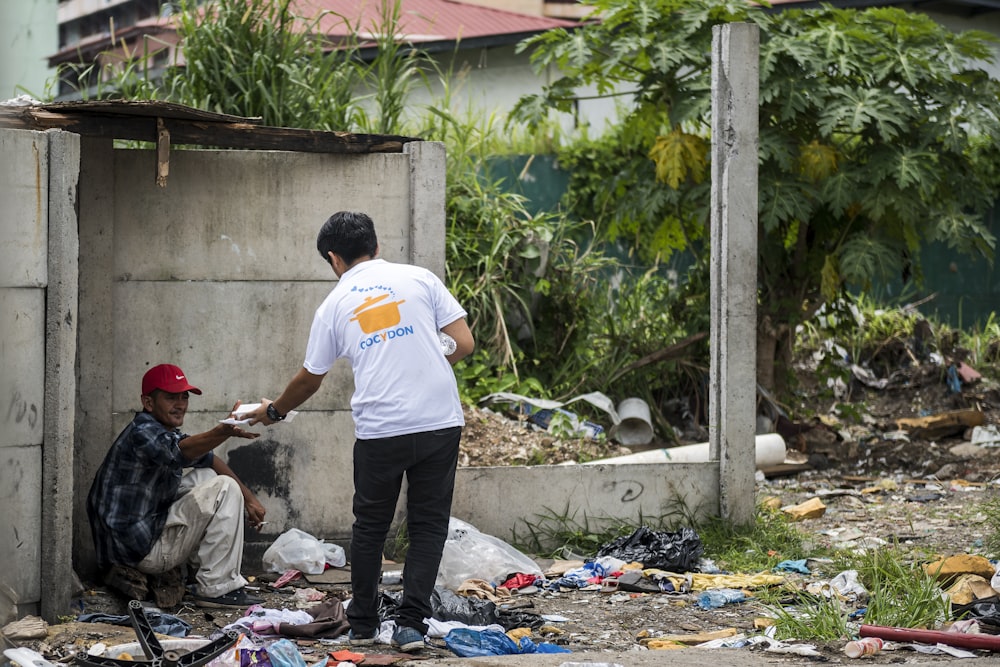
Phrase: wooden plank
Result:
[209,133]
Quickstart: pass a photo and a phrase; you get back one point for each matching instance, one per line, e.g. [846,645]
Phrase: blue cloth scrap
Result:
[469,643]
[792,566]
[165,624]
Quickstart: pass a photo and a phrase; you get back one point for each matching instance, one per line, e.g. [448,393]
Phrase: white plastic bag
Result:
[470,554]
[298,550]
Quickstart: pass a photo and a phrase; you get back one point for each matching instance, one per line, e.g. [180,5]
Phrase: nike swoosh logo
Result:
[179,377]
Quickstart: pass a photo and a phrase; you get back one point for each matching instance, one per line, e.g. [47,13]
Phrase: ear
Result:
[147,402]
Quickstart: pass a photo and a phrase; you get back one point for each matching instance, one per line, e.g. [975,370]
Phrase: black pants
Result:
[428,460]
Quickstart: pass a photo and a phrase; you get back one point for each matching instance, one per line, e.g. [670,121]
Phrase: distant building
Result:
[474,39]
[28,38]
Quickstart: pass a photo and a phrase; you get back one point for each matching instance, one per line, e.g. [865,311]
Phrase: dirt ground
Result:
[922,485]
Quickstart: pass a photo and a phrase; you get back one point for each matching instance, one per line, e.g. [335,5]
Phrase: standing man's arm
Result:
[464,342]
[298,391]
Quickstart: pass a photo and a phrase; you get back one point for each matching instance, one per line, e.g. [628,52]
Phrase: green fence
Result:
[966,292]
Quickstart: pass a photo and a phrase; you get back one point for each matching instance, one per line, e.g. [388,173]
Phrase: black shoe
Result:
[362,639]
[238,598]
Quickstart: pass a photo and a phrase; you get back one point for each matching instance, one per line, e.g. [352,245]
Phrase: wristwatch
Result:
[272,413]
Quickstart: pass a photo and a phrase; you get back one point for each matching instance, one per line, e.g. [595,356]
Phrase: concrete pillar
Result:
[427,205]
[733,387]
[60,376]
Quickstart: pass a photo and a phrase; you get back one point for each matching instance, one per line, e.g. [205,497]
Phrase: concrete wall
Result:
[38,249]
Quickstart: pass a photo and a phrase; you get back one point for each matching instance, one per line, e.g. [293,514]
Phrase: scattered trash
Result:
[770,451]
[542,412]
[862,647]
[636,426]
[25,657]
[792,566]
[470,643]
[470,554]
[975,641]
[298,550]
[947,569]
[392,577]
[935,427]
[847,586]
[677,552]
[810,509]
[719,597]
[987,435]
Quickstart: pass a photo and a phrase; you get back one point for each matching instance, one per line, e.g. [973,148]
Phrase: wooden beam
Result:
[216,134]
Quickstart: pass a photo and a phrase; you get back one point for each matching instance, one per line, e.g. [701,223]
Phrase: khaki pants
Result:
[205,529]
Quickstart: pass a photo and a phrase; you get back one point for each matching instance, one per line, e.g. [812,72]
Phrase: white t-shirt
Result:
[385,318]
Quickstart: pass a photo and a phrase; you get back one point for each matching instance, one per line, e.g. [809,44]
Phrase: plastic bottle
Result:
[448,344]
[862,647]
[717,597]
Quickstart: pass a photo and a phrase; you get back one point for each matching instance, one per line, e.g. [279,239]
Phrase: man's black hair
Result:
[348,234]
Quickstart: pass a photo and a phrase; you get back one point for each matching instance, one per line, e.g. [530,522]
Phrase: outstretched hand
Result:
[259,416]
[233,430]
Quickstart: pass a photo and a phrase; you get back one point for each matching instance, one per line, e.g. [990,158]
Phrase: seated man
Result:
[147,515]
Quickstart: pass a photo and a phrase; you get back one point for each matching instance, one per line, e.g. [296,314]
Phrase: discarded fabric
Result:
[468,643]
[165,624]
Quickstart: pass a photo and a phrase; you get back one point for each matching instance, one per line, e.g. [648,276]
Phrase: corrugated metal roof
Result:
[426,20]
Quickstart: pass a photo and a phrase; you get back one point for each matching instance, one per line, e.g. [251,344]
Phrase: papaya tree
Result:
[879,134]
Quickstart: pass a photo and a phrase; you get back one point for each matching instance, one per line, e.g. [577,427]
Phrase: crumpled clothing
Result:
[262,621]
[519,580]
[792,566]
[329,620]
[438,629]
[483,590]
[590,573]
[165,624]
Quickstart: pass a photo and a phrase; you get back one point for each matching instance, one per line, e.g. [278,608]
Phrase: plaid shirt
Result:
[134,488]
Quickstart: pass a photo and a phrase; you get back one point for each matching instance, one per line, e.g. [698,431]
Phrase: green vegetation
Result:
[870,143]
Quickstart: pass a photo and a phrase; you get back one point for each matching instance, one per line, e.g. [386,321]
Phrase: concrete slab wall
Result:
[24,277]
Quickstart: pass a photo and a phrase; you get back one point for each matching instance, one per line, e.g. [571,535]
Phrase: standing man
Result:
[146,514]
[385,318]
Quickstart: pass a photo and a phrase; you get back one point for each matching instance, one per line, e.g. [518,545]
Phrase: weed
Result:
[771,539]
[808,616]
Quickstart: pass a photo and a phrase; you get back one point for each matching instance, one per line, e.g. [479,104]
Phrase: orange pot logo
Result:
[373,316]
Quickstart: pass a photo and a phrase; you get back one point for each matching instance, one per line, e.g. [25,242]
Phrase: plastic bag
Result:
[285,653]
[470,554]
[448,606]
[674,552]
[298,550]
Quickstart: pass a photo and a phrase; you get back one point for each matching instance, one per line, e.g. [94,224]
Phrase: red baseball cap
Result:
[167,377]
